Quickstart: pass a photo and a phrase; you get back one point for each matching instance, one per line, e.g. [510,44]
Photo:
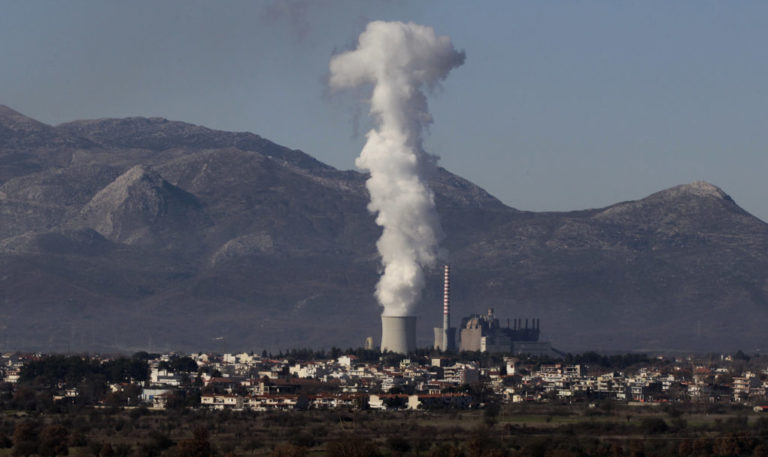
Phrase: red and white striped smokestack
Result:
[447,290]
[448,333]
[446,298]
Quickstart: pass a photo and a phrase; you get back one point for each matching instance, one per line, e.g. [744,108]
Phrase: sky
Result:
[560,105]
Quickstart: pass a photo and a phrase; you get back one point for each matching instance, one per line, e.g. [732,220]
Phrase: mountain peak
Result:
[15,121]
[140,172]
[698,199]
[696,188]
[22,133]
[139,205]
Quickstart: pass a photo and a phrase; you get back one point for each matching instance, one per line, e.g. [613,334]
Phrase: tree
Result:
[24,398]
[484,443]
[397,402]
[398,444]
[445,450]
[727,446]
[351,446]
[53,441]
[184,364]
[123,450]
[654,425]
[289,450]
[198,446]
[25,437]
[107,451]
[740,355]
[157,443]
[491,413]
[5,442]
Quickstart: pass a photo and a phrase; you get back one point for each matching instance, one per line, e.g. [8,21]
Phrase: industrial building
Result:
[484,333]
[478,332]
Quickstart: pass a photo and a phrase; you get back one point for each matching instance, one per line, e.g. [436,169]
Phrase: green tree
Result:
[740,355]
[184,364]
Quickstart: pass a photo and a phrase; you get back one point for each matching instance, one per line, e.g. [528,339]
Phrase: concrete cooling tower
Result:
[398,334]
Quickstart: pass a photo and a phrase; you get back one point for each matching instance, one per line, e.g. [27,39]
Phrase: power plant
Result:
[445,336]
[484,333]
[398,334]
[479,332]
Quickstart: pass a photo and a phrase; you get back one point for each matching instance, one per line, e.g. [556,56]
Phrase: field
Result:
[526,430]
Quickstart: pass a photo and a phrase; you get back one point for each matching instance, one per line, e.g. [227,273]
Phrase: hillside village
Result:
[249,381]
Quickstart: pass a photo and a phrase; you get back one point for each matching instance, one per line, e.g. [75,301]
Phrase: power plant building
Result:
[484,333]
[478,332]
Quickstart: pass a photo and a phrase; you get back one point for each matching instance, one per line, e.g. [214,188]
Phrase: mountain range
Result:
[145,233]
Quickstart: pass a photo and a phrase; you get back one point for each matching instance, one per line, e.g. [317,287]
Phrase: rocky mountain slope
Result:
[125,234]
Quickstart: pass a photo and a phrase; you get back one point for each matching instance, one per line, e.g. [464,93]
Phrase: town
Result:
[361,379]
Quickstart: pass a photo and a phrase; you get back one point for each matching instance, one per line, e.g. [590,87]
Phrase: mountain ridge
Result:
[145,233]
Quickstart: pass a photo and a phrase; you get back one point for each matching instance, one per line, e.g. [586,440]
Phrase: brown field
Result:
[535,430]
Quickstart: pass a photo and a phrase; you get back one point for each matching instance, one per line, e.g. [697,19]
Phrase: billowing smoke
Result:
[401,61]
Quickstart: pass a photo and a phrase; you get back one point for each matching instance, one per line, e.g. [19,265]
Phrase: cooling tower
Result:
[398,334]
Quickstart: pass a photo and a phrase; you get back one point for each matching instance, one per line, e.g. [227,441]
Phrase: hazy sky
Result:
[559,106]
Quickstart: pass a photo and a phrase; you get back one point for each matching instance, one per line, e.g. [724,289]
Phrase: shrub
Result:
[303,439]
[654,425]
[288,450]
[198,446]
[398,444]
[351,446]
[53,441]
[25,437]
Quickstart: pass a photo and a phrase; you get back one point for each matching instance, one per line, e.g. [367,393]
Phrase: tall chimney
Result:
[446,296]
[448,333]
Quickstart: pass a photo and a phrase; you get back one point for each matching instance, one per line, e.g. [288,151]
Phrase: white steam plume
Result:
[401,61]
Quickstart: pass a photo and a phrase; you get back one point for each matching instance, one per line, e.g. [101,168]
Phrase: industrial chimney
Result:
[398,334]
[445,337]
